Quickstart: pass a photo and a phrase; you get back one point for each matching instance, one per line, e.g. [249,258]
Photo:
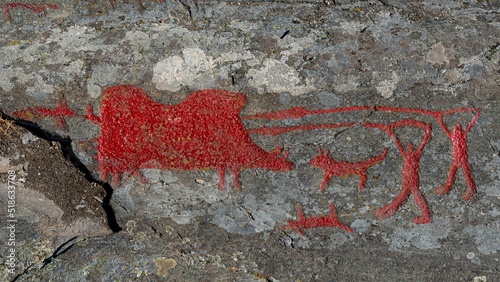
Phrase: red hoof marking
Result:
[331,167]
[303,222]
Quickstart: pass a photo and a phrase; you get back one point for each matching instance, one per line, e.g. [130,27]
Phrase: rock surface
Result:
[429,55]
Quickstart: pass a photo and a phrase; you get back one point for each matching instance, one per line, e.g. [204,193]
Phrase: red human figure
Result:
[458,138]
[411,167]
[303,222]
[57,114]
[460,155]
[344,168]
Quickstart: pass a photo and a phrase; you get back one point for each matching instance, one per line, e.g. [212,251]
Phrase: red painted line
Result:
[300,112]
[303,222]
[36,8]
[277,130]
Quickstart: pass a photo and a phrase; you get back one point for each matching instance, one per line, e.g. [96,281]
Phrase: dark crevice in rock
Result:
[69,154]
[64,247]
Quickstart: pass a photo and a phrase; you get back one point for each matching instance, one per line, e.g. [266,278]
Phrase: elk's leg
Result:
[139,177]
[221,172]
[362,180]
[236,172]
[116,179]
[324,183]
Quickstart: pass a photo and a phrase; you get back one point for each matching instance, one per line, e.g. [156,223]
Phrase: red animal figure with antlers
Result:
[332,167]
[203,132]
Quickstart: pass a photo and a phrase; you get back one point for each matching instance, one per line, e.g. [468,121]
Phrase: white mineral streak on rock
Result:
[193,69]
[439,55]
[278,77]
[386,87]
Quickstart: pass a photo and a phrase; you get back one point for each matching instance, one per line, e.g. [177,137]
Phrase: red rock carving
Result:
[458,138]
[203,132]
[36,8]
[411,170]
[303,222]
[344,168]
[57,114]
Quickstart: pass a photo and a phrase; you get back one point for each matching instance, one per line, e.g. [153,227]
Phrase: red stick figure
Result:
[458,138]
[411,167]
[303,222]
[344,168]
[460,155]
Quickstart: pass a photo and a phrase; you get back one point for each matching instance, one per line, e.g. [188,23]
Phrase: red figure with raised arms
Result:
[460,155]
[458,138]
[411,167]
[344,168]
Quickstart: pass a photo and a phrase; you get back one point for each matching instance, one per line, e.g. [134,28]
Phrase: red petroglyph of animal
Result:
[57,114]
[205,131]
[332,167]
[36,8]
[303,222]
[202,132]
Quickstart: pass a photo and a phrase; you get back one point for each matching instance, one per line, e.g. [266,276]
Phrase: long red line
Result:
[421,111]
[277,130]
[299,112]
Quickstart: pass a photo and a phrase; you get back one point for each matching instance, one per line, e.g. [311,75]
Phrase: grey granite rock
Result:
[433,55]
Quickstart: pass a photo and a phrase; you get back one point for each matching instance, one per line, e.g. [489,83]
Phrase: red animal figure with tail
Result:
[303,222]
[344,168]
[203,132]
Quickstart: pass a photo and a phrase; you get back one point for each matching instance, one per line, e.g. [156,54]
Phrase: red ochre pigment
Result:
[58,114]
[411,170]
[205,131]
[332,167]
[303,222]
[458,138]
[36,8]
